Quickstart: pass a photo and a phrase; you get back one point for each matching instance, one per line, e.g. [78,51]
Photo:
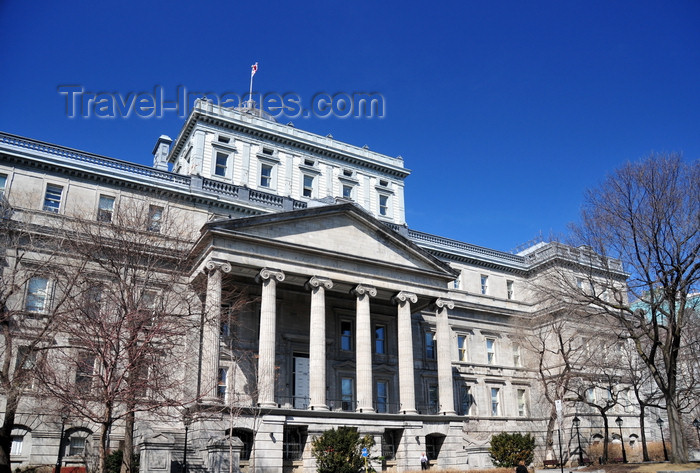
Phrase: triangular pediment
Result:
[341,231]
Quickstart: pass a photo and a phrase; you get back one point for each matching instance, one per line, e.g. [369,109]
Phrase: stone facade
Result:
[355,319]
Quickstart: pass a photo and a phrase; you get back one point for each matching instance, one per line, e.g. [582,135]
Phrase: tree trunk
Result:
[645,450]
[6,430]
[102,451]
[679,448]
[607,438]
[128,452]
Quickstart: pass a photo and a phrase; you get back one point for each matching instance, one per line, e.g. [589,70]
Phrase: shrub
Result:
[507,450]
[340,451]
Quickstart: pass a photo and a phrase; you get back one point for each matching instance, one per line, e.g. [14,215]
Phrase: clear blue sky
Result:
[506,111]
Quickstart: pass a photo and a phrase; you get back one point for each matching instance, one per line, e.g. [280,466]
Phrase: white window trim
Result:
[61,200]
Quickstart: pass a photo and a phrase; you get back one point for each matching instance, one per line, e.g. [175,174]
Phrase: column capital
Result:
[316,282]
[212,266]
[363,289]
[269,273]
[444,303]
[404,296]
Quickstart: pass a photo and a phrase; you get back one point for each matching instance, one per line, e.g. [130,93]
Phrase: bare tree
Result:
[647,215]
[32,295]
[120,348]
[554,344]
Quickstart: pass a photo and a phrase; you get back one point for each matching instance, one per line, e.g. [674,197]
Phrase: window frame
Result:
[430,345]
[490,350]
[347,399]
[35,295]
[462,348]
[382,400]
[380,345]
[521,402]
[155,224]
[219,153]
[495,401]
[484,284]
[222,387]
[3,183]
[105,213]
[510,289]
[349,336]
[310,188]
[384,205]
[53,198]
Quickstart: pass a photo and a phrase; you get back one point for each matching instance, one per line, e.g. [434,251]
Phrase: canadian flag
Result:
[253,69]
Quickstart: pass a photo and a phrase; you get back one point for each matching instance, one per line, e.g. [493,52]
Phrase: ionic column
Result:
[444,358]
[363,347]
[317,342]
[209,375]
[266,343]
[407,392]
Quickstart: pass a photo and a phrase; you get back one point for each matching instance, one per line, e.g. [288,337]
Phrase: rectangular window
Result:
[77,446]
[308,186]
[265,175]
[433,400]
[222,384]
[84,371]
[509,289]
[155,218]
[517,362]
[221,164]
[347,192]
[105,208]
[3,183]
[462,347]
[484,284]
[346,337]
[26,359]
[380,339]
[347,394]
[17,441]
[495,404]
[522,403]
[52,199]
[382,396]
[383,205]
[490,351]
[456,283]
[465,397]
[37,295]
[430,345]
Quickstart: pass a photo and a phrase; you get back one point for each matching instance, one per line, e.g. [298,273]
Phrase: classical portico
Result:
[338,252]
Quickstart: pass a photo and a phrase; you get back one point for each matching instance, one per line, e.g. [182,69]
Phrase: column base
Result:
[408,411]
[448,413]
[268,405]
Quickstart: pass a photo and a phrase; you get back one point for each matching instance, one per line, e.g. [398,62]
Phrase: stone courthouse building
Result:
[355,319]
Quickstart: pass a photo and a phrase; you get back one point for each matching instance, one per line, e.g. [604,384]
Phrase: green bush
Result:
[507,450]
[340,451]
[113,462]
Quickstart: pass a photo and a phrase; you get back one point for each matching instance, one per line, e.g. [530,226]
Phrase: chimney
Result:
[161,151]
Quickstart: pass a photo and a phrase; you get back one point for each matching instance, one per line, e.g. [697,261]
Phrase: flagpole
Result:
[253,70]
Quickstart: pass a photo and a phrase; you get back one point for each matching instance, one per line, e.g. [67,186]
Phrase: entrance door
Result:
[301,381]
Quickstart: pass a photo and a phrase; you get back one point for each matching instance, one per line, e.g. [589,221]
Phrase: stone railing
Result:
[448,244]
[68,154]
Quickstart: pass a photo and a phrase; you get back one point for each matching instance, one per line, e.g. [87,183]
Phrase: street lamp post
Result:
[59,458]
[576,421]
[660,421]
[187,420]
[618,421]
[696,424]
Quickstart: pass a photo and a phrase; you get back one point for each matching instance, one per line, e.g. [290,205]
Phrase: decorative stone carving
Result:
[267,273]
[362,290]
[404,296]
[316,282]
[444,303]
